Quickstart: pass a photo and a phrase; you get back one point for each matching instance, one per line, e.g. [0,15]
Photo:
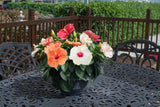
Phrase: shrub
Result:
[98,8]
[12,15]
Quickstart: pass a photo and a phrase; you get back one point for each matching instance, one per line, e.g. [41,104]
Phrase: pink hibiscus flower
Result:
[92,35]
[47,41]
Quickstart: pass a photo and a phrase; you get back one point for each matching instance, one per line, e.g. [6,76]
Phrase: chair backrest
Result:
[140,52]
[15,58]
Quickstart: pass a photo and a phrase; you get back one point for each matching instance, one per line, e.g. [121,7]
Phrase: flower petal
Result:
[84,59]
[55,54]
[107,50]
[74,43]
[84,38]
[47,41]
[69,28]
[92,35]
[35,51]
[63,34]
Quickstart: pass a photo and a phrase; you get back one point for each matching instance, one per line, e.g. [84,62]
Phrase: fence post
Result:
[148,17]
[31,14]
[32,28]
[89,22]
[72,11]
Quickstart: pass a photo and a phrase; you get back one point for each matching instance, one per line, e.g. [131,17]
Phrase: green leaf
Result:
[111,62]
[83,67]
[89,70]
[65,86]
[89,78]
[71,67]
[79,73]
[57,68]
[42,64]
[97,69]
[64,67]
[45,75]
[63,76]
[101,55]
[73,77]
[92,61]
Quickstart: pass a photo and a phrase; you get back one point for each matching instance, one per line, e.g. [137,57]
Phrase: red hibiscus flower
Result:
[64,33]
[92,35]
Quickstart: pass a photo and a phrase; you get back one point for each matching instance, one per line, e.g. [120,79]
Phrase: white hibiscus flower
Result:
[42,40]
[84,38]
[36,49]
[80,55]
[107,50]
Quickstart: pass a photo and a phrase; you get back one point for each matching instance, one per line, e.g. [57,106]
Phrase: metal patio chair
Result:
[15,59]
[141,52]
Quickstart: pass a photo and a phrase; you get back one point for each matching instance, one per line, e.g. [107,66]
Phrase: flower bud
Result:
[53,35]
[100,44]
[74,34]
[52,32]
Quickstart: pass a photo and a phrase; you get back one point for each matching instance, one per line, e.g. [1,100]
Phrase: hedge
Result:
[98,8]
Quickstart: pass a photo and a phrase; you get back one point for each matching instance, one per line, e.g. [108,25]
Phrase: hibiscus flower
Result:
[64,33]
[84,38]
[74,43]
[42,40]
[92,35]
[55,54]
[80,55]
[47,41]
[35,50]
[107,50]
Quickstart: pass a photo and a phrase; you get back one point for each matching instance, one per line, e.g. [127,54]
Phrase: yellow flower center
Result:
[107,49]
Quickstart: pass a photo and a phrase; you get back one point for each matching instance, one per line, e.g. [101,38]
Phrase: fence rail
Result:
[112,30]
[115,30]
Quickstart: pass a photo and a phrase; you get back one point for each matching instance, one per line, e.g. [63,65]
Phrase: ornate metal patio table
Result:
[122,85]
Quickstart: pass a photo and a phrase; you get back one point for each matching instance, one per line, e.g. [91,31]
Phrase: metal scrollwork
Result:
[138,52]
[122,85]
[15,58]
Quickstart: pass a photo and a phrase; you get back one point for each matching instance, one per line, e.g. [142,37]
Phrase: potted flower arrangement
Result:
[69,56]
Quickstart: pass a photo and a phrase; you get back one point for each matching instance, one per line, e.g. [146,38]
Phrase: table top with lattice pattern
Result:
[122,85]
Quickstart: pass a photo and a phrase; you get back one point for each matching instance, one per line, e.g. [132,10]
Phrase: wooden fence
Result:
[112,30]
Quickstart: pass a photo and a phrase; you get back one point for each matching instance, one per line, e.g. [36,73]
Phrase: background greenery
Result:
[98,8]
[101,8]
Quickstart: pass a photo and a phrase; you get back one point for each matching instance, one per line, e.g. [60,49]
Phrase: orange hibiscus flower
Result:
[55,54]
[47,41]
[74,43]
